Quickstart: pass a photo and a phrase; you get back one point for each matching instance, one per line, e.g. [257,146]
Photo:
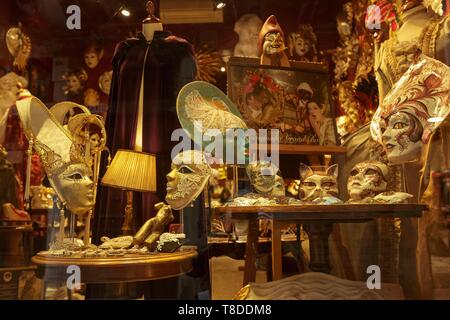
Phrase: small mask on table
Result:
[369,183]
[319,187]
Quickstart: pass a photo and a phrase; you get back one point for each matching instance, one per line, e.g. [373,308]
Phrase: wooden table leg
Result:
[277,268]
[251,250]
[409,271]
[318,234]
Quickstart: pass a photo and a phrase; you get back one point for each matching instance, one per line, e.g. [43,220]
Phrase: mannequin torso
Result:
[148,29]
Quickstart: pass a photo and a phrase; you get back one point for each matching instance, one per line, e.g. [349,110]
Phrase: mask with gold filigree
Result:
[188,178]
[65,163]
[413,109]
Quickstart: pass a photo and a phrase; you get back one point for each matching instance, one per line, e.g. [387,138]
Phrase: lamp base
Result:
[127,227]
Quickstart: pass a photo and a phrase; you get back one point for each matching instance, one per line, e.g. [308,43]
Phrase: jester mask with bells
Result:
[414,108]
[189,176]
[65,161]
[265,179]
[318,184]
[367,179]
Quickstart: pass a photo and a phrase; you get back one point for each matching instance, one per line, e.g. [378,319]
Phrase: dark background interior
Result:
[45,22]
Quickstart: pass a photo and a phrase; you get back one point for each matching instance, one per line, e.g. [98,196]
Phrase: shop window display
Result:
[311,154]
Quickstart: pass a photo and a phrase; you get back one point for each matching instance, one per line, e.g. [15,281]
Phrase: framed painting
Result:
[296,100]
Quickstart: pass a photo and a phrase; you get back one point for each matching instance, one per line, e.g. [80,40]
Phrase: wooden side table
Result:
[318,221]
[128,268]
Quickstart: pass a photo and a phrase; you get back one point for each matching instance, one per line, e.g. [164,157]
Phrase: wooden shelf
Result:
[341,212]
[307,149]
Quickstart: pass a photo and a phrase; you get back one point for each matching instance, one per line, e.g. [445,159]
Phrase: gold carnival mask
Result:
[189,176]
[66,165]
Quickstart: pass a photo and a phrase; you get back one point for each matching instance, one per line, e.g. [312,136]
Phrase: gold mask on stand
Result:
[67,168]
[189,176]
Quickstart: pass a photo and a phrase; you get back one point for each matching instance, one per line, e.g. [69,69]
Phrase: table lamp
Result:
[131,171]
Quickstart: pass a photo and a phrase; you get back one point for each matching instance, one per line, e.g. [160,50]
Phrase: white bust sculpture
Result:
[247,27]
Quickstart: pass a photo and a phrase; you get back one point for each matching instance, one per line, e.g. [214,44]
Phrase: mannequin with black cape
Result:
[148,73]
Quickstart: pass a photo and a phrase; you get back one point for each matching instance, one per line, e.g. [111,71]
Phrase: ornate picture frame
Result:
[296,100]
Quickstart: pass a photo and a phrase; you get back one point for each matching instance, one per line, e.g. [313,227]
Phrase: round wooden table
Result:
[128,268]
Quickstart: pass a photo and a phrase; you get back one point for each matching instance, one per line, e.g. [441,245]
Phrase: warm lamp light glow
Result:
[125,13]
[131,170]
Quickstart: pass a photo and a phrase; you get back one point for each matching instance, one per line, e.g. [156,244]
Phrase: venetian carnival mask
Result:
[188,178]
[265,179]
[92,58]
[317,184]
[271,37]
[66,165]
[104,82]
[273,43]
[367,179]
[414,108]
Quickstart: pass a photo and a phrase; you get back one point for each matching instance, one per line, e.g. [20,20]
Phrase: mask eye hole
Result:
[75,176]
[354,172]
[327,184]
[309,184]
[185,170]
[371,172]
[400,125]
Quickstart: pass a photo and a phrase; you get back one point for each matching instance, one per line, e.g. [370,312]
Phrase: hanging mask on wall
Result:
[19,46]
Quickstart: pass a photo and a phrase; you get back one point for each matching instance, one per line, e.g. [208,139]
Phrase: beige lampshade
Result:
[132,170]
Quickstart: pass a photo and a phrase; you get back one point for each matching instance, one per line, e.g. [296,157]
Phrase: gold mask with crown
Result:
[67,166]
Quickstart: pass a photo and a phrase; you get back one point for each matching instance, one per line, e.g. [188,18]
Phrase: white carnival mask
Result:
[188,178]
[412,110]
[315,184]
[367,179]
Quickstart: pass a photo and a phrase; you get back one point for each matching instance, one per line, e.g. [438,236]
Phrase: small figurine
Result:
[271,44]
[150,232]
